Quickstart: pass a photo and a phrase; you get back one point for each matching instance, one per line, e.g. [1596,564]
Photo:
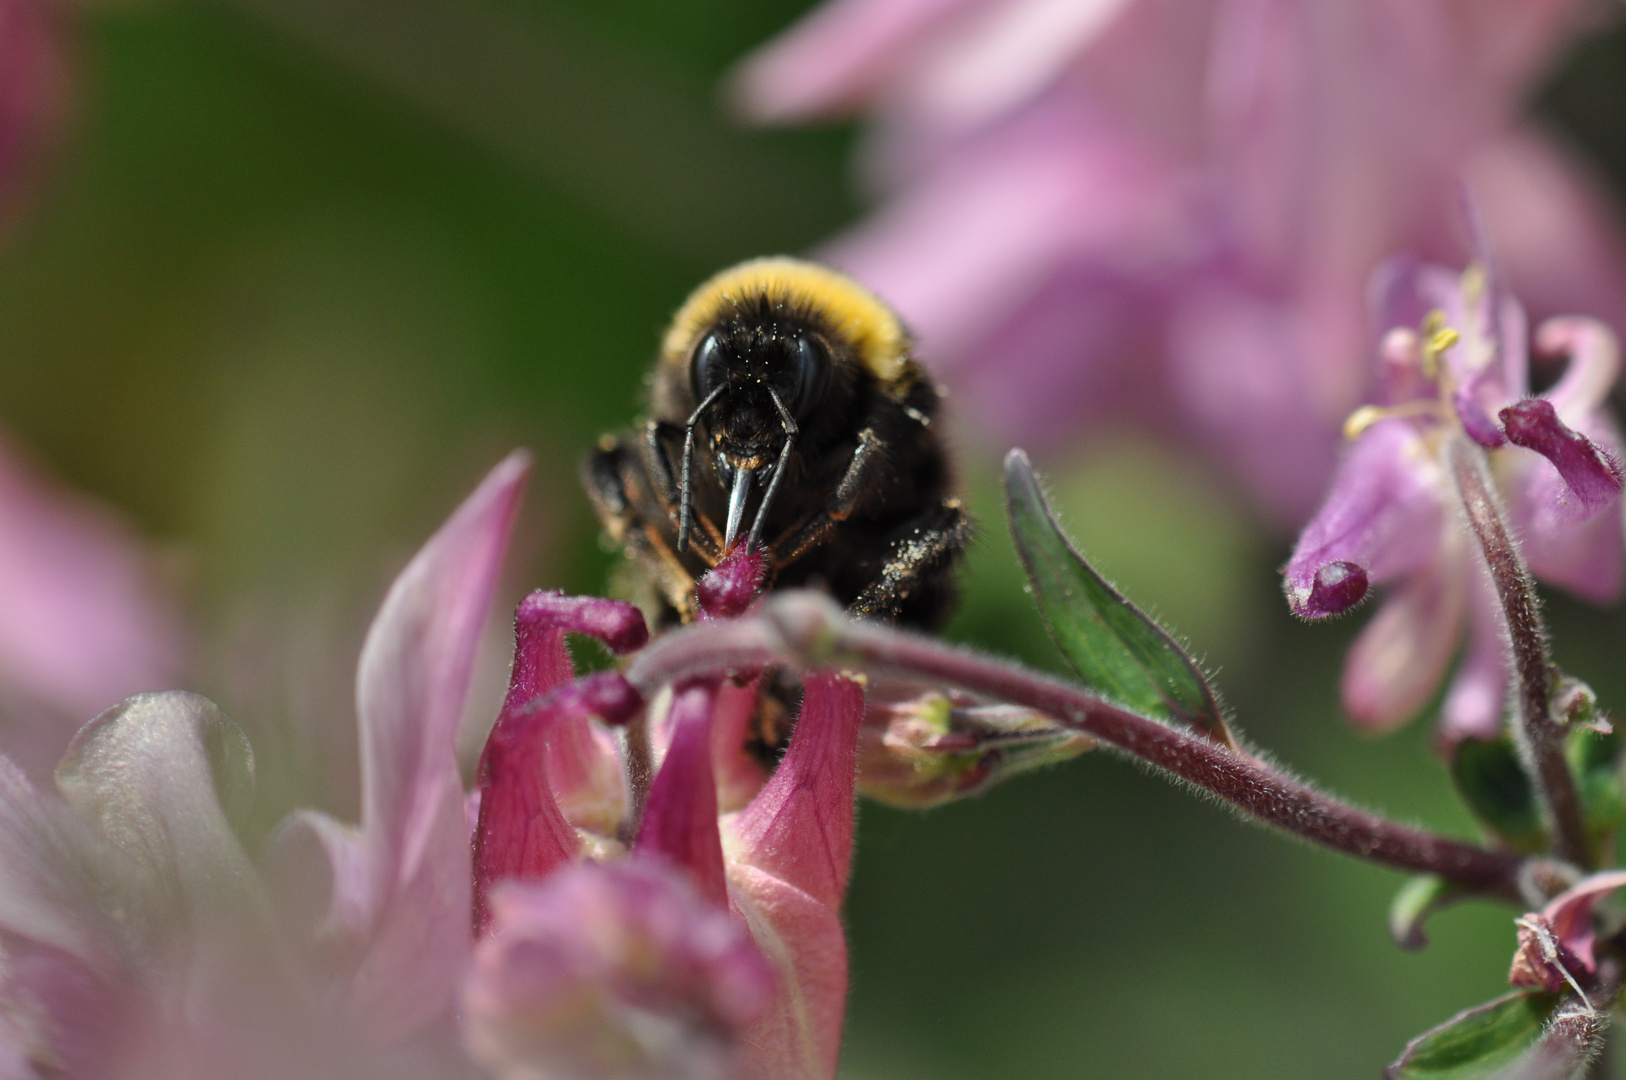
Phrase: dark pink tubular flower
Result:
[1454,365]
[682,921]
[1168,208]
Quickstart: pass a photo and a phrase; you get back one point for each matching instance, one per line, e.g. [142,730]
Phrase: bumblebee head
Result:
[770,352]
[757,368]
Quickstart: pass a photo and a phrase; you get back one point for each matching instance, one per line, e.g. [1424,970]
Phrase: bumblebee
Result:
[787,412]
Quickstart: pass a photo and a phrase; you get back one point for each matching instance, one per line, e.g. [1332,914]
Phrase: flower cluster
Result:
[1169,209]
[1454,366]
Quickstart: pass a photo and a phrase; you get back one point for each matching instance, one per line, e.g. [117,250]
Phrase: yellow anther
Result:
[1442,340]
[1361,419]
[1367,415]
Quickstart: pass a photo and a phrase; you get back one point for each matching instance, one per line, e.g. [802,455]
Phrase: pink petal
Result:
[1593,355]
[1570,913]
[1592,476]
[836,56]
[144,776]
[411,685]
[739,774]
[615,969]
[1473,704]
[1383,513]
[1553,227]
[521,832]
[1397,663]
[680,818]
[790,853]
[81,622]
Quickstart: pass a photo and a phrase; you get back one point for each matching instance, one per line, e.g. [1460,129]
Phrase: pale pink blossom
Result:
[1167,210]
[84,621]
[607,917]
[1455,366]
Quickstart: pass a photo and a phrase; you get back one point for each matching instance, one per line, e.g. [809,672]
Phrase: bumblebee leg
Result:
[659,463]
[914,580]
[789,549]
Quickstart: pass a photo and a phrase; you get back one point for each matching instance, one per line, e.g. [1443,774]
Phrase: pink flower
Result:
[1391,515]
[604,918]
[1168,209]
[82,624]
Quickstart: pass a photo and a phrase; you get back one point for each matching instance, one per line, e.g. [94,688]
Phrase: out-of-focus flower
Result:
[1169,209]
[141,941]
[33,90]
[82,624]
[1391,514]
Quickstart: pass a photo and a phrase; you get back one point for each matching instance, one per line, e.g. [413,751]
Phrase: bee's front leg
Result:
[794,545]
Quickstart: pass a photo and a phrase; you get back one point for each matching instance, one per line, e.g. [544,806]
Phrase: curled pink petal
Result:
[1400,656]
[1570,913]
[411,685]
[1593,352]
[521,833]
[1593,477]
[1383,514]
[618,969]
[1564,544]
[680,818]
[728,589]
[582,764]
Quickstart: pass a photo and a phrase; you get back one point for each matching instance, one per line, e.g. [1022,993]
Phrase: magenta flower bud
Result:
[1338,586]
[1591,474]
[732,584]
[613,970]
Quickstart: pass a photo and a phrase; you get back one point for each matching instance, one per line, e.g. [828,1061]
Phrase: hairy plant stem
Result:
[1540,739]
[807,630]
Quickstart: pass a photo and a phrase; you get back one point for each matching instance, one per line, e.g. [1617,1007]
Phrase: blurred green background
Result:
[304,269]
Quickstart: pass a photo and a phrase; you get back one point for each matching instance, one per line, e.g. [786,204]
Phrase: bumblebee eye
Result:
[706,369]
[812,366]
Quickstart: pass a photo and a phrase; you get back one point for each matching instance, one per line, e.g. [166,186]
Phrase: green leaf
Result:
[1594,757]
[1116,650]
[1419,898]
[1496,788]
[1476,1042]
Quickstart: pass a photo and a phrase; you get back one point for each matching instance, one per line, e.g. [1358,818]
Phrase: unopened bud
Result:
[931,749]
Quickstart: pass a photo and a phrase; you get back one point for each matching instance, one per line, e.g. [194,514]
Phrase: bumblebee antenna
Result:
[791,431]
[685,510]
